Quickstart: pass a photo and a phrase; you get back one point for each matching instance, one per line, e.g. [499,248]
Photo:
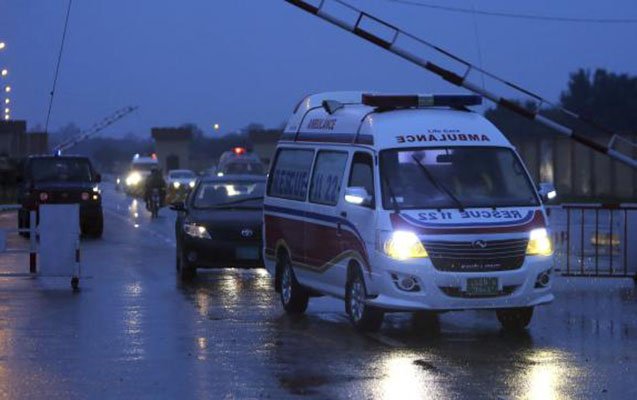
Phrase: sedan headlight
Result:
[401,245]
[176,185]
[191,184]
[539,243]
[133,179]
[196,231]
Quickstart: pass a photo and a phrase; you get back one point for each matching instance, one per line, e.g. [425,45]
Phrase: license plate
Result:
[482,286]
[247,253]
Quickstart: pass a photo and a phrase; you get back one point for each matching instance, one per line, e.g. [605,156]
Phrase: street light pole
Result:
[4,72]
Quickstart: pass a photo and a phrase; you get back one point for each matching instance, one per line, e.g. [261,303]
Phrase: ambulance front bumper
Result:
[448,291]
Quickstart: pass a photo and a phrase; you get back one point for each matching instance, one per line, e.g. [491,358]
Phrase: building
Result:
[172,146]
[578,172]
[16,142]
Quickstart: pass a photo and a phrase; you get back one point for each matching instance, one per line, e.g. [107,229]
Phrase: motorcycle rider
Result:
[154,181]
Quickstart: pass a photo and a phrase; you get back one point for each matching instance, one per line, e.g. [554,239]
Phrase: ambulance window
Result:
[327,177]
[362,173]
[291,173]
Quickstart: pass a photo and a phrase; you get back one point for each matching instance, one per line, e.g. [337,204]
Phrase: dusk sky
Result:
[234,62]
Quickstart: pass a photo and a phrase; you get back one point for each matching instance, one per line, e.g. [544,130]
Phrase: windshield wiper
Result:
[238,201]
[438,185]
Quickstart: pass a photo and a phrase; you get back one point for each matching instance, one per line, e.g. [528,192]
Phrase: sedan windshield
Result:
[454,178]
[219,194]
[61,170]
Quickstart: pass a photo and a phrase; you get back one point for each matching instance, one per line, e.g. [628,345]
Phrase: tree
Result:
[608,98]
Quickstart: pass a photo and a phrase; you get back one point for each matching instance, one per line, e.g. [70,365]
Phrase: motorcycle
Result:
[155,203]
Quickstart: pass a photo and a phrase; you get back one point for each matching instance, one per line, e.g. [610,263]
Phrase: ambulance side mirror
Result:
[547,191]
[358,196]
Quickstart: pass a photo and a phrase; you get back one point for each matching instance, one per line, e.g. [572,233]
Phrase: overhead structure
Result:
[462,73]
[96,128]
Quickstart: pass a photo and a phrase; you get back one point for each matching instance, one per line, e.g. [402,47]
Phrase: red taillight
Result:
[85,196]
[239,150]
[44,196]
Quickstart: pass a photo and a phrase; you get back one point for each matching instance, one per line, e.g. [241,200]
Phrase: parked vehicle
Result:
[404,203]
[62,180]
[220,224]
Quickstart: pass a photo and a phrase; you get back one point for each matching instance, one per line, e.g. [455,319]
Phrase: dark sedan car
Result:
[219,224]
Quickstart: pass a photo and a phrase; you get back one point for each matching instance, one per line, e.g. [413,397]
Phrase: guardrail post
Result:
[33,251]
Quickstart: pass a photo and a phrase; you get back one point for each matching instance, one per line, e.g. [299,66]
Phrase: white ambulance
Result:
[404,203]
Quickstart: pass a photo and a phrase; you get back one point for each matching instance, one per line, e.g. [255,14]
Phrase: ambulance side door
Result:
[359,228]
[323,222]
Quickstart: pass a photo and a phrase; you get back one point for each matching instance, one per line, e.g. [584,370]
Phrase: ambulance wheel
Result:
[75,283]
[515,319]
[364,317]
[294,297]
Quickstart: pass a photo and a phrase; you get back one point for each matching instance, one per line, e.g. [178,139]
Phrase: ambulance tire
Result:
[515,319]
[365,318]
[294,297]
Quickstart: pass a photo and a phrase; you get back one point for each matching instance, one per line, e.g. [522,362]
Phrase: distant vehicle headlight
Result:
[539,243]
[133,179]
[402,245]
[196,231]
[191,184]
[176,185]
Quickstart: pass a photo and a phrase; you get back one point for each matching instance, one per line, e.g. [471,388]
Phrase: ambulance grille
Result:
[477,256]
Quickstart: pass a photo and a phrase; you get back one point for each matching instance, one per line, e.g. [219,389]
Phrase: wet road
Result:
[135,332]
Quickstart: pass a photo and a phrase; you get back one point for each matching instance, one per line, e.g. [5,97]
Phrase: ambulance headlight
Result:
[133,179]
[539,243]
[402,245]
[196,231]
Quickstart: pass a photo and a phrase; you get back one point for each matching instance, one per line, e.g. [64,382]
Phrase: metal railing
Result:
[595,240]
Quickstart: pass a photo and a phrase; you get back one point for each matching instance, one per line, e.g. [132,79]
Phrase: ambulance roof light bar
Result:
[420,101]
[402,44]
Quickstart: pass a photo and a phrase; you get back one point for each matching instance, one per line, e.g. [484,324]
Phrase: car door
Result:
[324,228]
[360,220]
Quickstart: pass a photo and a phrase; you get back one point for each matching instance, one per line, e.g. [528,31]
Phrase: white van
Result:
[404,203]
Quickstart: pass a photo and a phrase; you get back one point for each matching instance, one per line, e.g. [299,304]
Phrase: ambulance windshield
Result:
[453,176]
